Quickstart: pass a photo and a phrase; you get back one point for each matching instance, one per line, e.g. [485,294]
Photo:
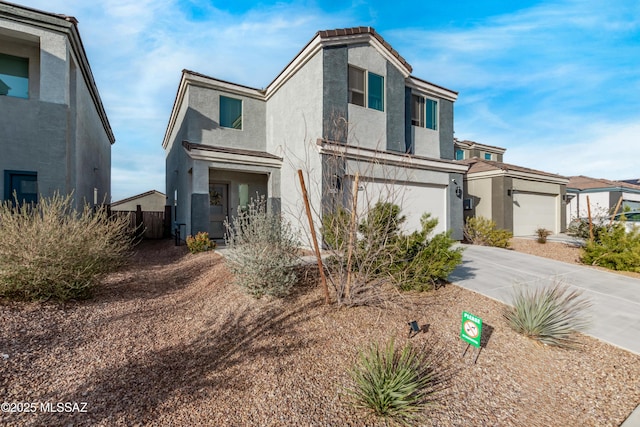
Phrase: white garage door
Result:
[414,200]
[533,211]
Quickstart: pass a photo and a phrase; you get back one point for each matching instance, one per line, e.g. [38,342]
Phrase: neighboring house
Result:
[470,149]
[346,104]
[151,201]
[518,199]
[603,196]
[54,132]
[635,181]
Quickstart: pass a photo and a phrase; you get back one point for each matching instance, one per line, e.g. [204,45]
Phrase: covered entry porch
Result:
[225,180]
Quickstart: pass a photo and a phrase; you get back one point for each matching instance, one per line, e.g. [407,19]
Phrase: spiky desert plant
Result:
[395,383]
[550,315]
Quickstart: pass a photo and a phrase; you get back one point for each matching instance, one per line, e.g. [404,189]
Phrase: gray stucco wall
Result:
[335,93]
[57,132]
[294,124]
[92,146]
[395,108]
[446,129]
[456,213]
[203,118]
[33,138]
[502,205]
[368,127]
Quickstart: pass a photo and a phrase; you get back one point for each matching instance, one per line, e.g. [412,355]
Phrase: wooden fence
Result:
[153,223]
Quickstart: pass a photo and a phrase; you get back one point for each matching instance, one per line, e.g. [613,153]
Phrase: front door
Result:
[218,209]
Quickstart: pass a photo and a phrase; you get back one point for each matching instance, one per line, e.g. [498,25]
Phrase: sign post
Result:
[471,332]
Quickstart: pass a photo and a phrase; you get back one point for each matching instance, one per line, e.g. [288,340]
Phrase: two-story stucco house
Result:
[347,103]
[54,132]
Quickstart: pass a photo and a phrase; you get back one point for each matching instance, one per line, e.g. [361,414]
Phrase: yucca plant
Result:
[395,383]
[550,315]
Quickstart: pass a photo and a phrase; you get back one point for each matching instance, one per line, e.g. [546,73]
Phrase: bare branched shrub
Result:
[355,194]
[51,251]
[262,251]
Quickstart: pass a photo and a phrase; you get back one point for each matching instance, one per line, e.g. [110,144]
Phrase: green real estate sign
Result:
[471,329]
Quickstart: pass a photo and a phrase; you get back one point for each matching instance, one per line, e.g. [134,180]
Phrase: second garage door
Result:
[532,211]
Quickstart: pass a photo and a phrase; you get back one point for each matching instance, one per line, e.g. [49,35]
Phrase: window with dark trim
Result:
[356,86]
[417,110]
[14,76]
[21,184]
[424,112]
[230,112]
[371,97]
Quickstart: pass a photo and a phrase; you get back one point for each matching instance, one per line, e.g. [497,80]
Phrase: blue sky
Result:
[557,83]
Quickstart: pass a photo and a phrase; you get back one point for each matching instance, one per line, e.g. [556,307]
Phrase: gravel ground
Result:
[169,341]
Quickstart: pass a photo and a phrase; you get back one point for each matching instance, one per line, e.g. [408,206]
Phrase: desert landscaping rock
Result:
[169,340]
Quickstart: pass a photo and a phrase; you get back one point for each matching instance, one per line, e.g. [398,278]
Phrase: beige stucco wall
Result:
[150,203]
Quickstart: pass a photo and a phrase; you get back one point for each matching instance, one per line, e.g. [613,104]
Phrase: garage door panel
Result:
[414,200]
[532,211]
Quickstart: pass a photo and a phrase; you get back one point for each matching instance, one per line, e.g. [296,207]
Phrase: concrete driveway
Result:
[615,298]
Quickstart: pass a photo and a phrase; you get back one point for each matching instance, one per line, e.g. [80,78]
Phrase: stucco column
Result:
[199,197]
[54,69]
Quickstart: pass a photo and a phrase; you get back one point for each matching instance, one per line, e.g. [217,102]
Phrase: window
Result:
[243,194]
[376,92]
[487,156]
[14,76]
[374,95]
[230,112]
[417,110]
[432,114]
[424,112]
[23,184]
[356,86]
[459,154]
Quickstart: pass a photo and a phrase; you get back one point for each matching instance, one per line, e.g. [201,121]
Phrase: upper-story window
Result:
[487,156]
[459,154]
[230,112]
[14,76]
[424,112]
[373,96]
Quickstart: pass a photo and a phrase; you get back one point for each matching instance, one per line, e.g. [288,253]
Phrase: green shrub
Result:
[550,315]
[614,248]
[51,251]
[421,263]
[543,233]
[394,383]
[376,250]
[482,231]
[262,251]
[580,228]
[383,253]
[200,243]
[335,228]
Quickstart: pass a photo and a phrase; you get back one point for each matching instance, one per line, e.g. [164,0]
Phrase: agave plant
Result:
[394,383]
[550,315]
